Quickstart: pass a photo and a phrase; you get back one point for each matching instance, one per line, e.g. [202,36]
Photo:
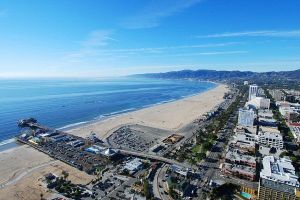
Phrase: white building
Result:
[252,91]
[270,139]
[278,179]
[246,117]
[259,103]
[134,165]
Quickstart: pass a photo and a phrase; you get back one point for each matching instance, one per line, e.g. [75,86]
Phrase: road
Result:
[154,157]
[157,183]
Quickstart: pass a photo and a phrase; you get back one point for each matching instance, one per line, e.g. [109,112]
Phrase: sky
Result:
[97,38]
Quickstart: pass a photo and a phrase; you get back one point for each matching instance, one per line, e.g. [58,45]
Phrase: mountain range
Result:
[281,77]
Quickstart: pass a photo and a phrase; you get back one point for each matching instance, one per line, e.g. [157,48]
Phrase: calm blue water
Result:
[60,103]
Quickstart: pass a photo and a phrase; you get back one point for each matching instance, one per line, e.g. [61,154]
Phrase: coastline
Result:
[169,116]
[104,117]
[12,143]
[23,167]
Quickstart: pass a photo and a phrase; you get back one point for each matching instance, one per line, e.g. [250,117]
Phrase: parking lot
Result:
[136,137]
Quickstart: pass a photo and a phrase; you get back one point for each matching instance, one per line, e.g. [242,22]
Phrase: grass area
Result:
[198,148]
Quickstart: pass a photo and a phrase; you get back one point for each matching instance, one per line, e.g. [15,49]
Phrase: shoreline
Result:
[12,143]
[22,168]
[203,102]
[129,110]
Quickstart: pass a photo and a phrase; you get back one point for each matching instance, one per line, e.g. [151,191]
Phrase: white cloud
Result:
[164,50]
[98,38]
[262,33]
[155,11]
[209,53]
[159,49]
[95,41]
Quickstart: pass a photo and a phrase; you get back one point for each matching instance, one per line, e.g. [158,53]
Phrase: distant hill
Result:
[281,77]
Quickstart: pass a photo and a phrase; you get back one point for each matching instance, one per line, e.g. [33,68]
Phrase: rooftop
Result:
[270,135]
[236,156]
[265,113]
[133,165]
[269,129]
[240,168]
[279,170]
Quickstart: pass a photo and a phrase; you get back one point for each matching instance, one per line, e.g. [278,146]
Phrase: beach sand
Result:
[22,168]
[169,116]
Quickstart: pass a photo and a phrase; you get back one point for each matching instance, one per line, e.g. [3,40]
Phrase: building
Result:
[270,139]
[246,117]
[290,111]
[265,119]
[109,152]
[245,137]
[239,171]
[278,95]
[245,143]
[295,129]
[246,83]
[95,149]
[278,180]
[133,165]
[284,109]
[253,89]
[236,157]
[259,103]
[180,170]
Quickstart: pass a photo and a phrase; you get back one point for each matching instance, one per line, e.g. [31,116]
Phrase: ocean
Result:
[65,103]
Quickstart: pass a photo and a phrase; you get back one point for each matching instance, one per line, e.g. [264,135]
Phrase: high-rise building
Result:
[278,180]
[246,117]
[252,91]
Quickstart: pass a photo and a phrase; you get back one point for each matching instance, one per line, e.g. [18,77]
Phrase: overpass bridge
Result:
[154,157]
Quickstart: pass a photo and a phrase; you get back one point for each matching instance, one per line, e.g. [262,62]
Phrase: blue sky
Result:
[117,37]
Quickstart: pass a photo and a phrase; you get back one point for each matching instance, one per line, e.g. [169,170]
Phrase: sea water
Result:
[63,103]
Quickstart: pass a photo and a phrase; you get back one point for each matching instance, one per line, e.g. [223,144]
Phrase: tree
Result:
[65,174]
[147,189]
[225,191]
[172,193]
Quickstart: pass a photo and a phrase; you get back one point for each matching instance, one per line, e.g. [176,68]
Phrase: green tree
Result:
[65,174]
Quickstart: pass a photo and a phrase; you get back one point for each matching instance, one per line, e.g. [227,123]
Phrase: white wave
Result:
[4,142]
[72,125]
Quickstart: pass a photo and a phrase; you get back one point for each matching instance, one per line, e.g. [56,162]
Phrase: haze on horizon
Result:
[112,38]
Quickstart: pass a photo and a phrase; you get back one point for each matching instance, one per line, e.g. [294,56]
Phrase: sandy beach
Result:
[22,168]
[169,116]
